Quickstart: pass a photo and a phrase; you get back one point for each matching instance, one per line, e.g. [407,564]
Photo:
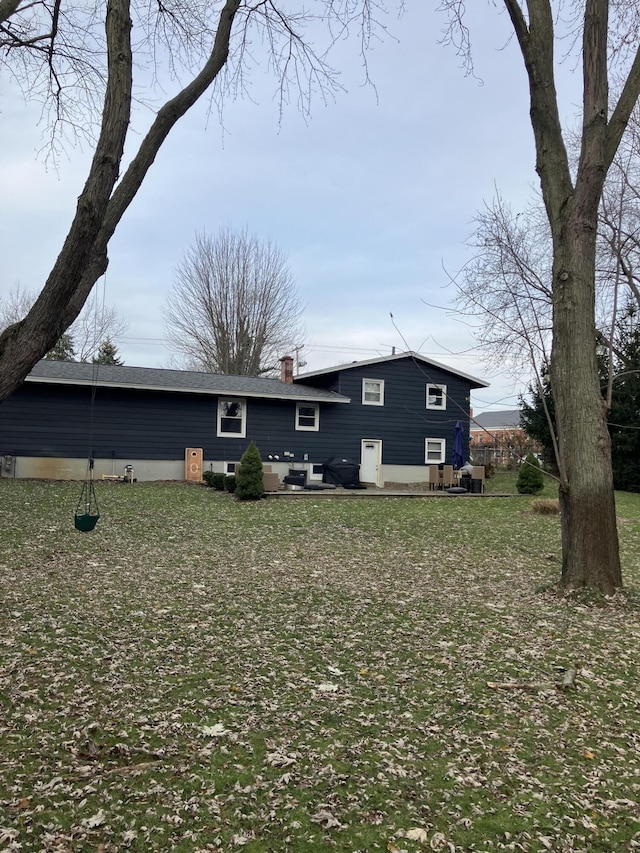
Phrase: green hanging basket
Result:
[85,522]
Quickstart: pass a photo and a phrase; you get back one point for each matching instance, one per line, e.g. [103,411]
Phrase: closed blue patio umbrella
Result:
[457,457]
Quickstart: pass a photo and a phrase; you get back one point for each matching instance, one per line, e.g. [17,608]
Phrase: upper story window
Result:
[436,396]
[308,416]
[434,450]
[232,418]
[373,392]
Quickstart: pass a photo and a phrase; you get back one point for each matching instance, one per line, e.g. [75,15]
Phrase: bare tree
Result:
[58,54]
[234,307]
[505,289]
[602,31]
[95,324]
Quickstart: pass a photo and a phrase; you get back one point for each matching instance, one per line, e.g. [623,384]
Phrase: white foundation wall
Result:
[404,474]
[58,468]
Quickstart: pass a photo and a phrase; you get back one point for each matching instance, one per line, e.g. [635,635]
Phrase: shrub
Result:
[546,506]
[230,482]
[249,478]
[215,481]
[530,480]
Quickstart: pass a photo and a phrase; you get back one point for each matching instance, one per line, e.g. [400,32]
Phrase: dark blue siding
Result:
[404,422]
[59,420]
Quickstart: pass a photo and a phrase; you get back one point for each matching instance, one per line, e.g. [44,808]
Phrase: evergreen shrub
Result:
[249,477]
[230,482]
[530,479]
[215,480]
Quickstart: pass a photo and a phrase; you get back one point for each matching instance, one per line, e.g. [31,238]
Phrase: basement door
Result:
[371,461]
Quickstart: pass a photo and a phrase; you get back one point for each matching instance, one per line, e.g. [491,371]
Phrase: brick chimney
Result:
[286,369]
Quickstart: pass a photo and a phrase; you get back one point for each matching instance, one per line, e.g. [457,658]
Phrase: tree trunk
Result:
[589,533]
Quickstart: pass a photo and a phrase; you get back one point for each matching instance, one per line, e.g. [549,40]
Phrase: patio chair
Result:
[434,478]
[447,476]
[477,476]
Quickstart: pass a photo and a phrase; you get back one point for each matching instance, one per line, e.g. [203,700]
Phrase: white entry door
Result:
[370,461]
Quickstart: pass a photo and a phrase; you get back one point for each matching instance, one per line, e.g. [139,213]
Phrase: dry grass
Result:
[545,506]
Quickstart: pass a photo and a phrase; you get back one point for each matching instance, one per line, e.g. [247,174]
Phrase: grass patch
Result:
[199,674]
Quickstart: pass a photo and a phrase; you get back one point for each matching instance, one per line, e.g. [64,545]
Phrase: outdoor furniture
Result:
[296,477]
[462,479]
[271,481]
[434,478]
[477,477]
[447,477]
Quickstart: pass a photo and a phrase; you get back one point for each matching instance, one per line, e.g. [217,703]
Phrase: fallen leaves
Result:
[321,684]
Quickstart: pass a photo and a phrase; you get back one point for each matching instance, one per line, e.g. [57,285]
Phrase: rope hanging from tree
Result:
[87,512]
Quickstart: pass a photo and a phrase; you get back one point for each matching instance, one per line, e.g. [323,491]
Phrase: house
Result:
[498,437]
[392,415]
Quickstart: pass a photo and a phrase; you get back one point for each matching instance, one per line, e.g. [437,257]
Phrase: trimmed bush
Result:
[215,481]
[230,483]
[249,477]
[530,479]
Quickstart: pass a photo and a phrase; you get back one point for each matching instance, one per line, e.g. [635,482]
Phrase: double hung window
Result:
[436,396]
[373,392]
[232,418]
[308,417]
[434,451]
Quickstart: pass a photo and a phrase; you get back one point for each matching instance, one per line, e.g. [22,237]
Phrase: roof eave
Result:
[332,397]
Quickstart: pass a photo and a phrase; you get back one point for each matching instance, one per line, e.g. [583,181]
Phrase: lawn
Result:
[309,674]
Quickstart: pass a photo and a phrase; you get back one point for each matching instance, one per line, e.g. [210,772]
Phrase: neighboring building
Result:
[498,437]
[392,415]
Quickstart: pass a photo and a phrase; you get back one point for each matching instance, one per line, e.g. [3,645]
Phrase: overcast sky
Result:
[372,198]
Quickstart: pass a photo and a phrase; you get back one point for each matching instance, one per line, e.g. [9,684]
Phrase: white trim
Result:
[443,451]
[380,401]
[316,421]
[442,395]
[243,417]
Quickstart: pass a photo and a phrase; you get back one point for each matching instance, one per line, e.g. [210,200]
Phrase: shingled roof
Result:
[506,419]
[414,356]
[181,381]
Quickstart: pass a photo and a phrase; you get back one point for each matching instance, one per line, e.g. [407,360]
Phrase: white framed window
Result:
[232,421]
[434,450]
[436,396]
[308,416]
[373,392]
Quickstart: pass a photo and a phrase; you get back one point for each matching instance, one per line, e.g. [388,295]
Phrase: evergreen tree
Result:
[107,354]
[624,415]
[249,476]
[533,418]
[530,479]
[64,350]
